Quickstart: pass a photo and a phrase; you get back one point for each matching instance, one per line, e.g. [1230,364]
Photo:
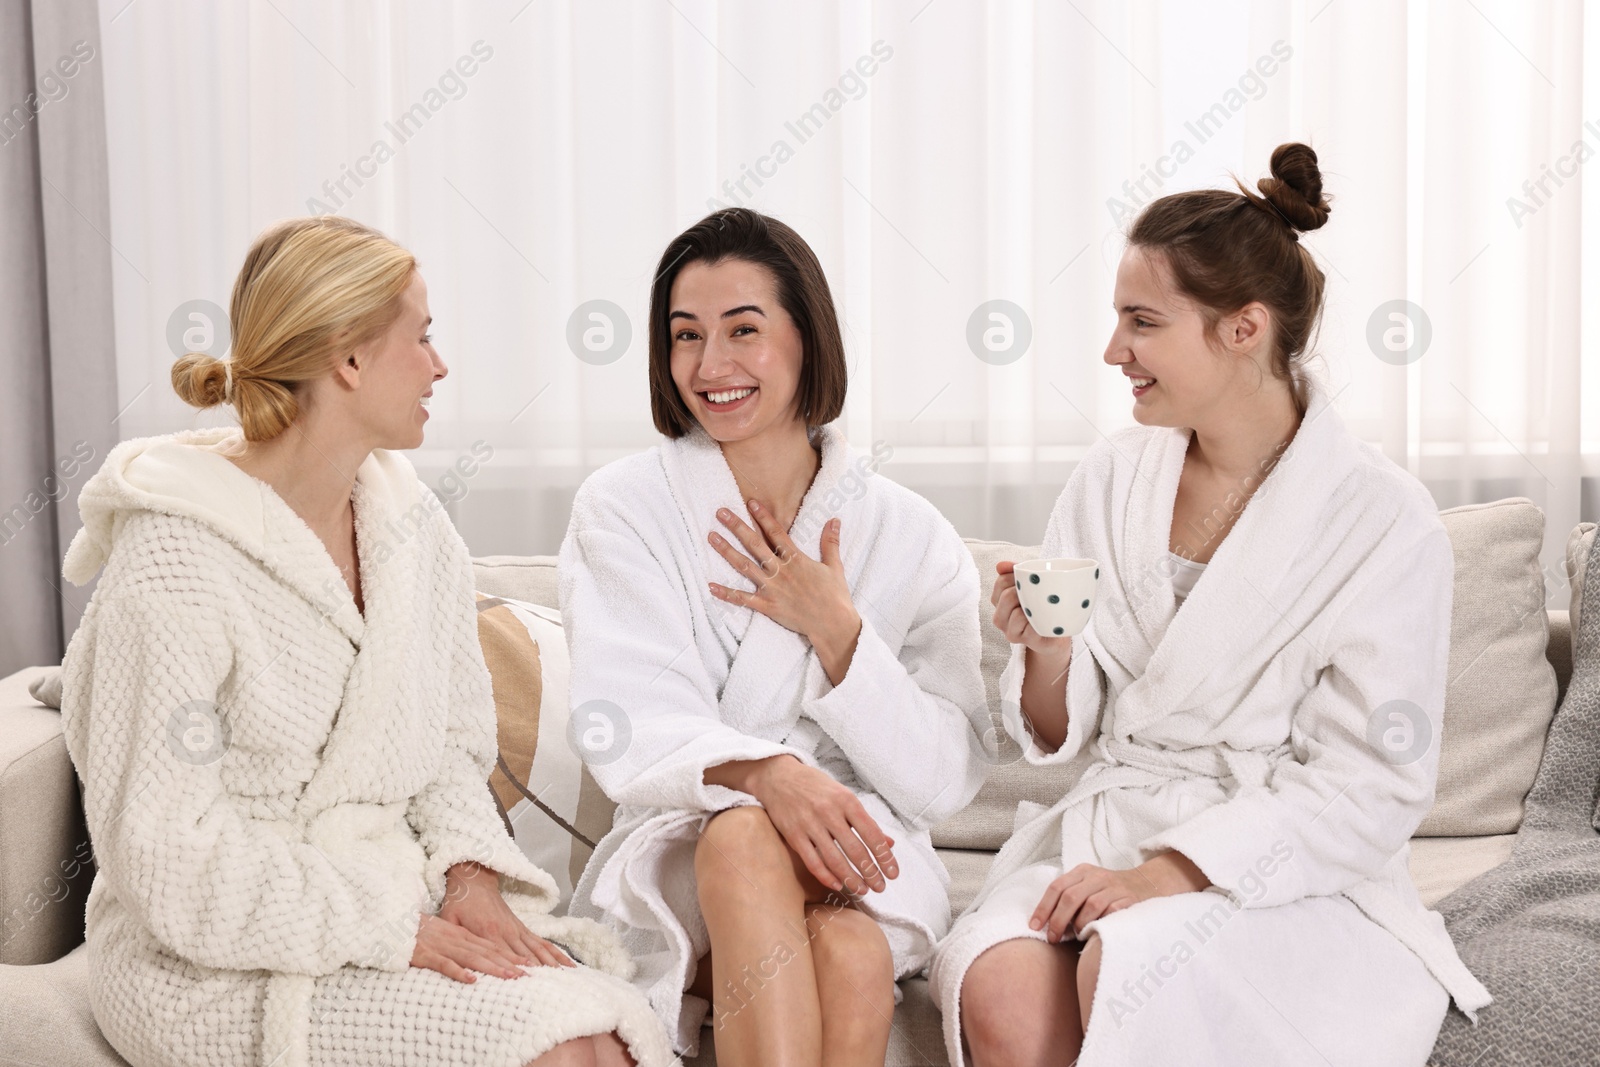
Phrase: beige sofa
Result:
[1509,664]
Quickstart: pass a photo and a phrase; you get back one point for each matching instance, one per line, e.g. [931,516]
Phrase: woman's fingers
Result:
[828,546]
[816,863]
[455,952]
[1094,906]
[859,858]
[1009,618]
[753,542]
[1062,918]
[1012,622]
[527,945]
[872,836]
[783,547]
[1057,906]
[1046,906]
[449,968]
[550,955]
[738,560]
[1002,581]
[842,874]
[481,954]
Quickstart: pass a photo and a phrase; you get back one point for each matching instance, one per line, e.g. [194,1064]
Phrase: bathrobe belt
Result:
[1132,765]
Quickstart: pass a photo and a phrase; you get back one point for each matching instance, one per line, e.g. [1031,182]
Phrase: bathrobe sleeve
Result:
[454,815]
[215,885]
[910,713]
[1365,747]
[1086,687]
[634,655]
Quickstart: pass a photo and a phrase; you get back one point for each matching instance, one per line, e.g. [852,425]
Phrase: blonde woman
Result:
[283,722]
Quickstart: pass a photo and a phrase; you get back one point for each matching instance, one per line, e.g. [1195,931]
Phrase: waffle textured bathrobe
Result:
[276,784]
[683,681]
[1280,729]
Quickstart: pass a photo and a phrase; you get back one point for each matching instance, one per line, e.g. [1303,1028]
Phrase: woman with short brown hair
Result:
[775,651]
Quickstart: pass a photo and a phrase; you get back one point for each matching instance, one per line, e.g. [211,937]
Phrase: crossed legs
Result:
[796,975]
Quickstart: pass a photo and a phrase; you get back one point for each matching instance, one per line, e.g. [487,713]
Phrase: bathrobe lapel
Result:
[384,709]
[183,476]
[1178,657]
[762,694]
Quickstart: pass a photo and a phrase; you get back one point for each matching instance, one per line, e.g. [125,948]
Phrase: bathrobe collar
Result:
[1169,652]
[762,695]
[185,474]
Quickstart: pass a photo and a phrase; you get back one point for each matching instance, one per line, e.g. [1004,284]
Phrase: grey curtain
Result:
[58,409]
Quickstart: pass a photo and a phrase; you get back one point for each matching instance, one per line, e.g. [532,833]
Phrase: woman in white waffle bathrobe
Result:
[778,714]
[1249,728]
[280,713]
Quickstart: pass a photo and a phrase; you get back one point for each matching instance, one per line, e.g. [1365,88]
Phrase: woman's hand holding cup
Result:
[1043,603]
[1011,621]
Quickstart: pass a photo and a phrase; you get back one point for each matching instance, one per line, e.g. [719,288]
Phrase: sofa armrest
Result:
[45,867]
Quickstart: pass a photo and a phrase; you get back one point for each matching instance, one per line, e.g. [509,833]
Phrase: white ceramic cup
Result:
[1057,594]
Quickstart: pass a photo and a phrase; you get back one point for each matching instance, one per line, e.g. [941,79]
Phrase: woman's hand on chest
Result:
[810,597]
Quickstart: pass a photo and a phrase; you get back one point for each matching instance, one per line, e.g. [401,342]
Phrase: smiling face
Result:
[398,374]
[736,354]
[1162,335]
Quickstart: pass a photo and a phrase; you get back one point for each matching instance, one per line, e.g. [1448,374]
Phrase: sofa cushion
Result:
[530,578]
[45,1016]
[516,674]
[1501,692]
[1441,865]
[45,865]
[526,652]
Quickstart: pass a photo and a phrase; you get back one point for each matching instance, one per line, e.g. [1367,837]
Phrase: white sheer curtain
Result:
[951,153]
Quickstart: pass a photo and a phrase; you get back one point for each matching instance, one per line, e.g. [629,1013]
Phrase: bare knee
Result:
[849,951]
[609,1051]
[576,1053]
[1012,994]
[741,855]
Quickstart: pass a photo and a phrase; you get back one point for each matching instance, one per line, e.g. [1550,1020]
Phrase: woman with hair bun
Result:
[283,723]
[1248,723]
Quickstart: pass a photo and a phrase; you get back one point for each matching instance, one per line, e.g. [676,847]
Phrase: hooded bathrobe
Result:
[1280,729]
[275,784]
[674,681]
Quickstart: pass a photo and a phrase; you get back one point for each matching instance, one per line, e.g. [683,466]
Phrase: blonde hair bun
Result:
[311,290]
[200,380]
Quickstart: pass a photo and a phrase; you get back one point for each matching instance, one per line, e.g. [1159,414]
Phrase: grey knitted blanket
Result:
[1530,928]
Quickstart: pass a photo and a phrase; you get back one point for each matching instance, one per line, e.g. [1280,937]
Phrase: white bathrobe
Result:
[699,682]
[1236,731]
[275,784]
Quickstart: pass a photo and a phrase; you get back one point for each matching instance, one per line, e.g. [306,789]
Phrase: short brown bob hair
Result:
[739,233]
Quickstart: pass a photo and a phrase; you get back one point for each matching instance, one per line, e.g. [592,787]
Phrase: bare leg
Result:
[1019,1005]
[855,984]
[576,1053]
[1088,975]
[753,890]
[609,1051]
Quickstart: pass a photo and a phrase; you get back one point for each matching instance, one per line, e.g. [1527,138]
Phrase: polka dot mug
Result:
[1057,594]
